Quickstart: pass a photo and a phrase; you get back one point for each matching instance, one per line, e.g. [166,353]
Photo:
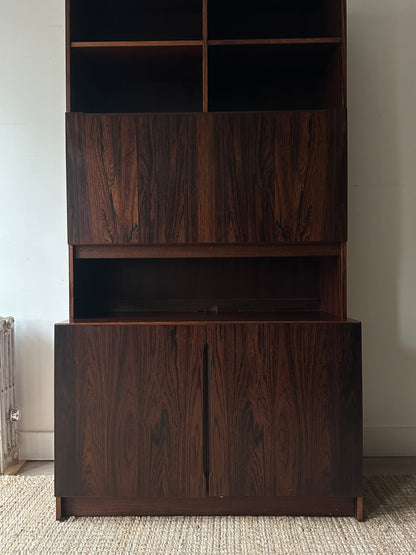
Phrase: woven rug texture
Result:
[28,525]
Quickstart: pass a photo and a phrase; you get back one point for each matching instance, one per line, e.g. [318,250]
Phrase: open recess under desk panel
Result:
[105,288]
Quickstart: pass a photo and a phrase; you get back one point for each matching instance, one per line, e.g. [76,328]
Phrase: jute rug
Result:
[27,525]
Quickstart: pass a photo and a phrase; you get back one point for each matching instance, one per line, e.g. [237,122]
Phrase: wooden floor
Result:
[372,466]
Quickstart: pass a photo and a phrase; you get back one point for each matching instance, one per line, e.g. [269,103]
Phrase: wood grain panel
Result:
[129,411]
[210,178]
[102,173]
[168,209]
[243,184]
[279,177]
[286,409]
[130,178]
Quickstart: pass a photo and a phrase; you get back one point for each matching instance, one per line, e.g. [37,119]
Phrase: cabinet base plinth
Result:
[269,506]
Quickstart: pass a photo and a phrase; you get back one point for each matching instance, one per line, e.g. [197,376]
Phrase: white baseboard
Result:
[389,442]
[378,442]
[36,446]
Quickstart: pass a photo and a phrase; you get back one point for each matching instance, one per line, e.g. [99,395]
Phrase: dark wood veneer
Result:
[129,419]
[188,179]
[286,408]
[206,251]
[293,158]
[283,398]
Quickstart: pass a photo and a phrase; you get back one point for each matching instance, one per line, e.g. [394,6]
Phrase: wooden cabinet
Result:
[208,411]
[208,366]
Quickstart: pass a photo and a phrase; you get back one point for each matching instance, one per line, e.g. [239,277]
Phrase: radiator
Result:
[9,415]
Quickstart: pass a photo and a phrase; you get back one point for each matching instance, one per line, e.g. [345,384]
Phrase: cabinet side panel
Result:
[65,430]
[286,410]
[350,408]
[136,408]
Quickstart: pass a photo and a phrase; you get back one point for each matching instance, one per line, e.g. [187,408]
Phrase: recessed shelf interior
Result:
[274,77]
[136,79]
[122,287]
[106,20]
[239,19]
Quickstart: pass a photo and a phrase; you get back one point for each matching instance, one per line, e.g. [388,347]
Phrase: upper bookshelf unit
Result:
[138,56]
[134,20]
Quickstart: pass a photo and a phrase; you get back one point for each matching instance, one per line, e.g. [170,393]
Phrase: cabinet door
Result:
[285,410]
[276,177]
[128,411]
[213,178]
[131,178]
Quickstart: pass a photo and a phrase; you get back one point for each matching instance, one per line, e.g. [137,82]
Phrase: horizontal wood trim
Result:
[136,43]
[272,506]
[205,251]
[249,42]
[177,318]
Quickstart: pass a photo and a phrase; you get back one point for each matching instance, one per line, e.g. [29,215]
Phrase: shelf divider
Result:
[205,56]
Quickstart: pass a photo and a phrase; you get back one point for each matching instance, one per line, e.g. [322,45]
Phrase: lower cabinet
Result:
[221,418]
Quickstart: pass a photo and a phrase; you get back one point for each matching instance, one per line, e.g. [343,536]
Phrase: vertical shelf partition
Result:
[208,366]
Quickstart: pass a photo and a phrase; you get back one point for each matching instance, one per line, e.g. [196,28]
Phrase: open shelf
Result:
[136,79]
[106,20]
[237,19]
[105,288]
[275,77]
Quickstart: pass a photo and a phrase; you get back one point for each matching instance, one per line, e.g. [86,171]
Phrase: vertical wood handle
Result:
[207,415]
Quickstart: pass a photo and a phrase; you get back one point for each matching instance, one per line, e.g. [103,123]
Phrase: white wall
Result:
[382,260]
[382,218]
[33,252]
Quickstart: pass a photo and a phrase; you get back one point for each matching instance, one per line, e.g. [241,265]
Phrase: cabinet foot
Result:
[59,515]
[359,509]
